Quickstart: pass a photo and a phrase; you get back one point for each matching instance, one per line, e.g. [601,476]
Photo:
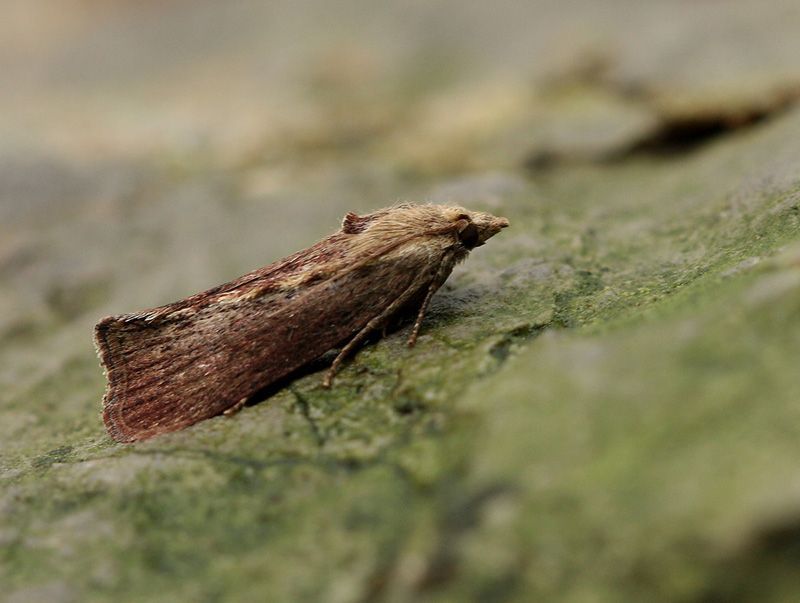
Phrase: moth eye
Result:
[463,217]
[469,236]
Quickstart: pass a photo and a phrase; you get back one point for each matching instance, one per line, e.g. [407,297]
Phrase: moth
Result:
[178,364]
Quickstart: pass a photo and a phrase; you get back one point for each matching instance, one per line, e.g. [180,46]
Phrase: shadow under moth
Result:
[175,365]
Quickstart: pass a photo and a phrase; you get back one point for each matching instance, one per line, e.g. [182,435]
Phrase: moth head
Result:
[474,228]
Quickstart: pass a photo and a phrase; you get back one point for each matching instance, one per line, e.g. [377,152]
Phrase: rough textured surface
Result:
[603,404]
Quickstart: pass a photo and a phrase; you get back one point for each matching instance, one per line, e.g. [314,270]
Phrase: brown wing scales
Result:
[172,371]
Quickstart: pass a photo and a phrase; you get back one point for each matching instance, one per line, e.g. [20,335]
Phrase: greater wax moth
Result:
[178,364]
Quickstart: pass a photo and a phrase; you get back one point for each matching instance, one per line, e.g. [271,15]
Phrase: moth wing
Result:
[180,364]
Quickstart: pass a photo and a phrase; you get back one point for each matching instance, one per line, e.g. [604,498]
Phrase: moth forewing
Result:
[176,365]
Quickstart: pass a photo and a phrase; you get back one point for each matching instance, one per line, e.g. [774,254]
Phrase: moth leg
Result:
[444,271]
[363,333]
[235,408]
[434,286]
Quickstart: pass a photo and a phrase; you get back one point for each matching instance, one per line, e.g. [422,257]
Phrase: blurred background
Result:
[646,154]
[133,131]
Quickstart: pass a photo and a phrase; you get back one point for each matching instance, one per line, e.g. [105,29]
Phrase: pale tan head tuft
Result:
[473,228]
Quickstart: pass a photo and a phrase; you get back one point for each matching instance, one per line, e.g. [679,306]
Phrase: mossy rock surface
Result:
[603,403]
